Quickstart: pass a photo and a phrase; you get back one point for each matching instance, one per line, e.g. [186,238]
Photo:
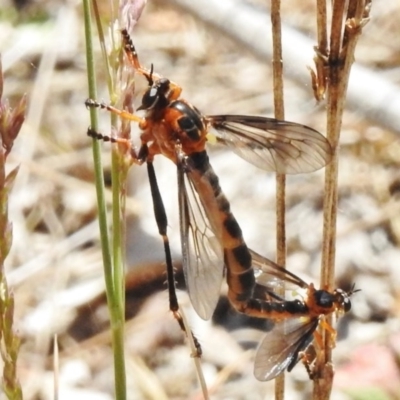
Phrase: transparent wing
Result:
[203,262]
[273,145]
[280,348]
[272,277]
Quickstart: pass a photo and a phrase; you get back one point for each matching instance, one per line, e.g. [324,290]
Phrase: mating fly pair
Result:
[211,238]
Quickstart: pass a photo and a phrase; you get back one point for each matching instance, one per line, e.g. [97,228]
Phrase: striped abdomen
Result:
[237,258]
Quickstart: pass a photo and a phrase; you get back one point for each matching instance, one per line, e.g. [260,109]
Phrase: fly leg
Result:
[126,115]
[90,103]
[150,75]
[313,356]
[308,358]
[161,219]
[132,56]
[127,145]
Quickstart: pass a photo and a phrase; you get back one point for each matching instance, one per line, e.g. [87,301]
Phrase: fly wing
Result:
[203,262]
[271,144]
[273,276]
[280,348]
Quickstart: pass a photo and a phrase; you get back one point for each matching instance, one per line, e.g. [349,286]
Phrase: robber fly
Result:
[295,320]
[211,238]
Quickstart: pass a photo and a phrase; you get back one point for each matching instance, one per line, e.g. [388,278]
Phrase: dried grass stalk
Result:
[277,69]
[333,65]
[11,120]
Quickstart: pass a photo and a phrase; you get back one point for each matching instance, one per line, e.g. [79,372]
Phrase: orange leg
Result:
[314,356]
[121,113]
[151,76]
[308,358]
[131,53]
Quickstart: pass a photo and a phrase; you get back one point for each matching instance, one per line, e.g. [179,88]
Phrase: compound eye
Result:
[149,99]
[343,299]
[346,305]
[163,85]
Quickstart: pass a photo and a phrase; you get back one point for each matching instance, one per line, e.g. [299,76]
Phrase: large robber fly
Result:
[211,238]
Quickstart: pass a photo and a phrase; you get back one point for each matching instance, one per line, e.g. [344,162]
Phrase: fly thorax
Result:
[190,128]
[322,302]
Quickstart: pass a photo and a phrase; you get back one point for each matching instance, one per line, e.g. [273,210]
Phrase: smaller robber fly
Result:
[296,320]
[211,238]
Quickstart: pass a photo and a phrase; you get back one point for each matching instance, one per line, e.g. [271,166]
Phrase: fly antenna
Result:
[353,290]
[149,76]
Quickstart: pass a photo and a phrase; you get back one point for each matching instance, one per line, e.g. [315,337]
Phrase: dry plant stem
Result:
[321,50]
[341,56]
[277,66]
[11,120]
[321,27]
[56,367]
[196,359]
[9,342]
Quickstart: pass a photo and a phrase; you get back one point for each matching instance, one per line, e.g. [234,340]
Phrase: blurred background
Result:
[55,265]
